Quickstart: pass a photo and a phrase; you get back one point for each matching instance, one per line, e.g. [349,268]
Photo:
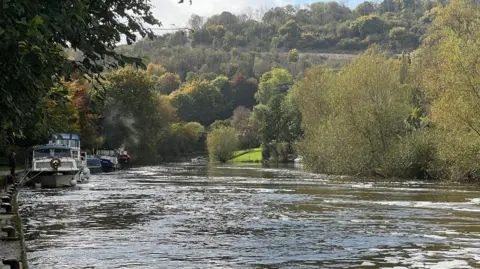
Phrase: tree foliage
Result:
[34,35]
[221,142]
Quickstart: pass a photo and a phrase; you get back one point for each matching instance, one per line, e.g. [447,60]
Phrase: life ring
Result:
[55,163]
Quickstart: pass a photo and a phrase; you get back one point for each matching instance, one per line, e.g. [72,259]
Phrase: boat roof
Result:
[51,146]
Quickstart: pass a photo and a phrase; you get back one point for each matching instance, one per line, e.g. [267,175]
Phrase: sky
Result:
[170,12]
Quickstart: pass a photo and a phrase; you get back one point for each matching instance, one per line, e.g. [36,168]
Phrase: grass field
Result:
[250,155]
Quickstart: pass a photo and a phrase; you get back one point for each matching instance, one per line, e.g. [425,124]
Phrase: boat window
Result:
[74,143]
[62,153]
[63,142]
[39,153]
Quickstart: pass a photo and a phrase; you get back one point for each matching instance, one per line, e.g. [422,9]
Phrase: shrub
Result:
[221,143]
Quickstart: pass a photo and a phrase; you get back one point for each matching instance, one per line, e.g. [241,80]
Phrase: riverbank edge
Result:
[17,222]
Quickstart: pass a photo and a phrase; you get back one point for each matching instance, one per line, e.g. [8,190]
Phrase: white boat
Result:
[53,166]
[73,141]
[199,160]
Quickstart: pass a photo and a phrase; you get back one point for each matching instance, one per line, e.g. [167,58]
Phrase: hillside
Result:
[322,33]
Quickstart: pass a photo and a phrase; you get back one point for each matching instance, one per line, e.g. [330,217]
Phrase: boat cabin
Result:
[52,150]
[68,140]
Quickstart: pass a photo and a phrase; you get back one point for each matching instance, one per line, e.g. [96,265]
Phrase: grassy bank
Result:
[250,155]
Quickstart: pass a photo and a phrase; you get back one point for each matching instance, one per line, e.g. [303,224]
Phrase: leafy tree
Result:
[33,39]
[365,8]
[273,83]
[156,70]
[368,25]
[352,119]
[290,34]
[168,83]
[241,122]
[198,101]
[133,118]
[447,66]
[221,142]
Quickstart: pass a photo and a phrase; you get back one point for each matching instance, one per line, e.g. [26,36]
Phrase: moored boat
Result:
[124,161]
[73,141]
[108,159]
[199,160]
[53,166]
[94,164]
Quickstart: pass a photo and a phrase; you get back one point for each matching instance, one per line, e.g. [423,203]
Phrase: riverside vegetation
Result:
[262,78]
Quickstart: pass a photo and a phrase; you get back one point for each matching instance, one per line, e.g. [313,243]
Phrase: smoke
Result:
[120,130]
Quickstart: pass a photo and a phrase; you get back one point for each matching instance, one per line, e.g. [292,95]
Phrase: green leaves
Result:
[37,20]
[32,41]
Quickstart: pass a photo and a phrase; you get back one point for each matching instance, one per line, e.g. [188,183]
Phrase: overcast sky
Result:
[169,12]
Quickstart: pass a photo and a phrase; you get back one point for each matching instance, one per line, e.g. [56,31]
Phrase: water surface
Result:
[185,216]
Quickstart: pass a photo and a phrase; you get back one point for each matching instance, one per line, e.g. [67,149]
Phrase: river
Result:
[185,216]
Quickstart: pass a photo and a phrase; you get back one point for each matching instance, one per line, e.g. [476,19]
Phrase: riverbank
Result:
[12,246]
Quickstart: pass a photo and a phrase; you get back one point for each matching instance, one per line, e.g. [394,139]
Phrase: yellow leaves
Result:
[165,109]
[451,74]
[156,70]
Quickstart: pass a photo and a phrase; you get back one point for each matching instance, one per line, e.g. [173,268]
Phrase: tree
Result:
[133,117]
[198,101]
[168,83]
[368,25]
[353,119]
[447,66]
[290,34]
[225,86]
[33,39]
[244,90]
[221,142]
[241,122]
[195,22]
[365,8]
[272,83]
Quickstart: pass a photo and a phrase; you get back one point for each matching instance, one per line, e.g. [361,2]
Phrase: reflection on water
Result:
[184,216]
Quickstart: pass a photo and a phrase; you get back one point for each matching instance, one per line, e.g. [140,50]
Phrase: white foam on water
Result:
[455,264]
[474,200]
[367,264]
[363,186]
[392,260]
[437,237]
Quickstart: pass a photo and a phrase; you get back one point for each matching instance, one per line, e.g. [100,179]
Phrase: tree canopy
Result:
[34,36]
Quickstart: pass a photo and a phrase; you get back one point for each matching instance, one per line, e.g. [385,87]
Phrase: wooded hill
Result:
[256,41]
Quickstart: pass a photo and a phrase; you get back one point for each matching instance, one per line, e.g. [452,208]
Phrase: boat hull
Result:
[108,169]
[57,180]
[95,170]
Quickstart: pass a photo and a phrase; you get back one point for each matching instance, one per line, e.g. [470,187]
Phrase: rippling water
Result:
[183,216]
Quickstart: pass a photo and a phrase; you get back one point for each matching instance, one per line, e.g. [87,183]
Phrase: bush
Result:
[221,143]
[457,156]
[411,157]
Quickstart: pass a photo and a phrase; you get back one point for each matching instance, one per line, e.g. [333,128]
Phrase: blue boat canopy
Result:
[64,136]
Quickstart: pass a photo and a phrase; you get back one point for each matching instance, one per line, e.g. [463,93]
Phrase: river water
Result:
[185,216]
